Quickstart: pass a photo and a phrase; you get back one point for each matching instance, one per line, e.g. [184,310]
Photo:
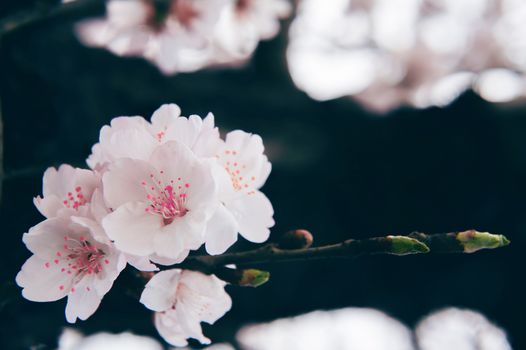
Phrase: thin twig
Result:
[454,242]
[41,12]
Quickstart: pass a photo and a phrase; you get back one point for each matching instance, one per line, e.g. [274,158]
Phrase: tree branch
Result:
[45,11]
[453,242]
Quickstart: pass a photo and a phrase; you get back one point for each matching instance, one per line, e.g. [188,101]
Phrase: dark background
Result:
[338,171]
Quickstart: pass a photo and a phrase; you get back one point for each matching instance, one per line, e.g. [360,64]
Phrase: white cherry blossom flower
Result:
[66,191]
[182,300]
[160,206]
[134,137]
[239,166]
[68,261]
[176,38]
[243,170]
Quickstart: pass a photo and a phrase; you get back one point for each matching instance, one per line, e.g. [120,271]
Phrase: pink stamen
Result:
[167,201]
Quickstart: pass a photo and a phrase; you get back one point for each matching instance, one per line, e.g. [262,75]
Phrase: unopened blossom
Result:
[176,37]
[66,191]
[244,23]
[243,169]
[68,261]
[182,300]
[159,206]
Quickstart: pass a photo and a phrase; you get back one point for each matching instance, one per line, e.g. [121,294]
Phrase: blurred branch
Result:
[1,149]
[454,242]
[45,11]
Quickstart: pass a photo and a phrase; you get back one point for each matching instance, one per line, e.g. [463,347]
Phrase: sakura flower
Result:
[134,137]
[160,206]
[68,261]
[182,300]
[244,23]
[176,38]
[66,191]
[243,170]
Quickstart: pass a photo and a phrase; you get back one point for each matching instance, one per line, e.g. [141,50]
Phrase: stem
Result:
[42,11]
[453,242]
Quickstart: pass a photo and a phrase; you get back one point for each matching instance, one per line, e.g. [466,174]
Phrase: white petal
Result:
[254,215]
[165,115]
[221,231]
[160,292]
[48,206]
[132,228]
[161,260]
[47,238]
[43,280]
[205,295]
[178,237]
[170,329]
[82,302]
[123,182]
[112,265]
[128,137]
[98,206]
[141,263]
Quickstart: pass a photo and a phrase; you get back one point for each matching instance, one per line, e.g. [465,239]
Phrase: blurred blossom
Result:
[460,330]
[351,328]
[185,35]
[388,53]
[73,340]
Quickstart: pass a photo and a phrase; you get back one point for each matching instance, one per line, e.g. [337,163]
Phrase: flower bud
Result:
[296,239]
[244,277]
[473,240]
[402,245]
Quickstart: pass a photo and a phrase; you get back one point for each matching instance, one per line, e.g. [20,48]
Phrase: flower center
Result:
[78,257]
[236,170]
[76,199]
[168,201]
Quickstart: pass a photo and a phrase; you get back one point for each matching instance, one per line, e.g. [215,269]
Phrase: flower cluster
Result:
[155,191]
[185,35]
[422,53]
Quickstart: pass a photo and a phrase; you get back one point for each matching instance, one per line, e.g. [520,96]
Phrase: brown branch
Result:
[43,11]
[454,242]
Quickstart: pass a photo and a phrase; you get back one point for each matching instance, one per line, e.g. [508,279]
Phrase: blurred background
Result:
[348,162]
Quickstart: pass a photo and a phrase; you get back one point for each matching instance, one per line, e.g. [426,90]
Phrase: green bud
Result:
[403,245]
[243,277]
[473,240]
[253,278]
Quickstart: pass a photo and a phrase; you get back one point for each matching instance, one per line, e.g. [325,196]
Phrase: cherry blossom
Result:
[68,261]
[422,53]
[185,35]
[66,191]
[182,300]
[243,170]
[239,167]
[176,38]
[160,206]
